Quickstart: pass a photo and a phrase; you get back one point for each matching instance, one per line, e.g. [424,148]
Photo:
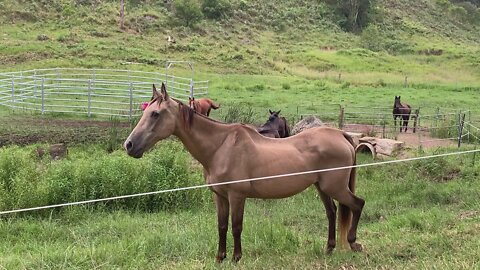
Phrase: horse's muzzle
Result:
[132,150]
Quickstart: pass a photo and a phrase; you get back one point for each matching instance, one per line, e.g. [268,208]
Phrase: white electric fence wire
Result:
[236,182]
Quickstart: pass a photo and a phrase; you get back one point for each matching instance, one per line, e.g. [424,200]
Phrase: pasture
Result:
[291,56]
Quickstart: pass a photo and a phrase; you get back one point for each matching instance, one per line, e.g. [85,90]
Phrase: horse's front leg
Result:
[222,219]
[237,204]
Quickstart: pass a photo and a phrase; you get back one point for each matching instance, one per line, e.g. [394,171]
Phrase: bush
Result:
[239,114]
[188,11]
[26,181]
[215,9]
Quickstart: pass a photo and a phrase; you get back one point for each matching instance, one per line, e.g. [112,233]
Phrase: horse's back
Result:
[312,149]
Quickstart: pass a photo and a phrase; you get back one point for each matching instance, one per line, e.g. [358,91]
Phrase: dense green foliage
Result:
[91,173]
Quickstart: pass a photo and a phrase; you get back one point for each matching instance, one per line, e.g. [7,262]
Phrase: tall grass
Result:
[27,181]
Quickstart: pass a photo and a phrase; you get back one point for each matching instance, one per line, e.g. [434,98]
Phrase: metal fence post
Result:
[131,101]
[469,121]
[419,134]
[35,83]
[13,89]
[57,79]
[43,95]
[384,121]
[89,105]
[191,88]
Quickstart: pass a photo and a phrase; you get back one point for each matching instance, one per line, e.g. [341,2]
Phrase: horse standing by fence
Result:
[202,105]
[275,127]
[402,111]
[235,152]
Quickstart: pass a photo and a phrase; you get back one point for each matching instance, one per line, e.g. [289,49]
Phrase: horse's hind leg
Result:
[331,211]
[222,219]
[355,204]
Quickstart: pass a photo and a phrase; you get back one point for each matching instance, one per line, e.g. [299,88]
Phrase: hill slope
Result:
[420,39]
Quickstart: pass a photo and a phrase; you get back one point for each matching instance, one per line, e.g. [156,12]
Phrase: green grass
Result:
[412,220]
[288,56]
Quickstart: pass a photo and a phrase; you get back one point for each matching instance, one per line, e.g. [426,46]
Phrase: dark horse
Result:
[238,152]
[275,127]
[401,110]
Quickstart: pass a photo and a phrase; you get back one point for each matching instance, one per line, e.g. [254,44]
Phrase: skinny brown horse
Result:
[275,127]
[235,151]
[202,105]
[401,110]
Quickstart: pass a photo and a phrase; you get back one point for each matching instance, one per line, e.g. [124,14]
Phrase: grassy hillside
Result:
[296,37]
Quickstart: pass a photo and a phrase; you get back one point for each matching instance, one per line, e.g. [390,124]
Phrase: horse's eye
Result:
[155,114]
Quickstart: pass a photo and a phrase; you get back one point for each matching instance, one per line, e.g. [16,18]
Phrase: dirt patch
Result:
[412,140]
[30,130]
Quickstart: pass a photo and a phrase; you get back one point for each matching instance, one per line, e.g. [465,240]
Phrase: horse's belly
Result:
[280,187]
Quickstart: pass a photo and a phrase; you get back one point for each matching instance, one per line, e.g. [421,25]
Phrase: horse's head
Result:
[157,122]
[273,115]
[397,101]
[191,102]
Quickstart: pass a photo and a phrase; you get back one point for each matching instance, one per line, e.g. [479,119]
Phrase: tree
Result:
[215,9]
[188,11]
[354,13]
[122,14]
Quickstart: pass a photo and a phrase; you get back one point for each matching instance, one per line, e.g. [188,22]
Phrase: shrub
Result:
[188,11]
[26,181]
[239,114]
[215,9]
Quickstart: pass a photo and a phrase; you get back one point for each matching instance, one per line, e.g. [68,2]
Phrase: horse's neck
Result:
[203,138]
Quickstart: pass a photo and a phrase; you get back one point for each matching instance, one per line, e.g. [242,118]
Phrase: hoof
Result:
[236,258]
[220,258]
[356,247]
[330,250]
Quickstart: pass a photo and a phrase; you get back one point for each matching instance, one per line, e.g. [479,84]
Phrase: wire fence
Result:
[89,92]
[429,124]
[229,182]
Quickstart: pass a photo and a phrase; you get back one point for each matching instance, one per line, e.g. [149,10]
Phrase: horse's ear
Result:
[163,91]
[279,111]
[155,94]
[270,111]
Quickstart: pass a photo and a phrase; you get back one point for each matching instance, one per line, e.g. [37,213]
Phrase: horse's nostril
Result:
[129,145]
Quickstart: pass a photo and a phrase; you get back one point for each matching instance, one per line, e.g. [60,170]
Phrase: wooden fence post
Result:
[461,118]
[341,118]
[415,123]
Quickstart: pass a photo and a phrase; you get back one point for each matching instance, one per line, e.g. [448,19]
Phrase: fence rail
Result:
[109,92]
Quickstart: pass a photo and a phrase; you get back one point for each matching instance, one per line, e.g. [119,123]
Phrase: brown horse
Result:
[275,127]
[236,151]
[202,105]
[401,110]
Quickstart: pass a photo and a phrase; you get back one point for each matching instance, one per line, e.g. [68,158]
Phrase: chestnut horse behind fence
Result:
[401,110]
[235,151]
[275,127]
[202,105]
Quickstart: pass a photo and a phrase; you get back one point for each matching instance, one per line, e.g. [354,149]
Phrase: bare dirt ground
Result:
[412,140]
[22,130]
